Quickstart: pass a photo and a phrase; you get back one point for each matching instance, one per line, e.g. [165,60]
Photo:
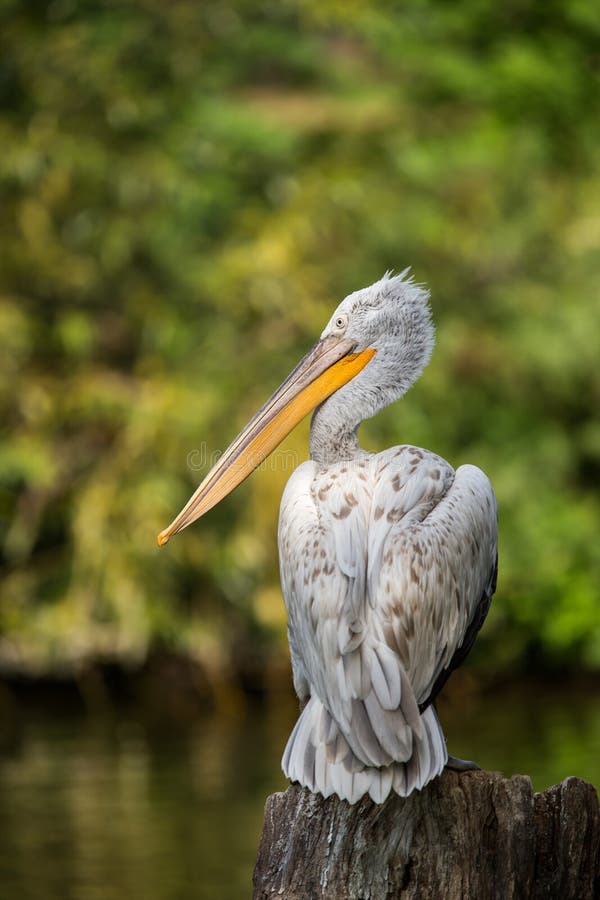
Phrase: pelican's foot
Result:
[462,765]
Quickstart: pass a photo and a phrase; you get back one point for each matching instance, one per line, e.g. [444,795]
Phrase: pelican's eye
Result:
[341,323]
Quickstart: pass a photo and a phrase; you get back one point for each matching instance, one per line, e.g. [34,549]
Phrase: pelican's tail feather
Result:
[318,756]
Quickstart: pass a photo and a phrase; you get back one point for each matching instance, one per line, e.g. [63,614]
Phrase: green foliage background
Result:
[187,190]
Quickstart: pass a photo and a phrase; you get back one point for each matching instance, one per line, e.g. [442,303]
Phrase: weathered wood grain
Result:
[474,835]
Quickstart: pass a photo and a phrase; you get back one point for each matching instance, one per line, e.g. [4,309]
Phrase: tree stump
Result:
[473,836]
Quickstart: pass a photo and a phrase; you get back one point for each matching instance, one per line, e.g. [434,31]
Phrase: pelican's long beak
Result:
[329,365]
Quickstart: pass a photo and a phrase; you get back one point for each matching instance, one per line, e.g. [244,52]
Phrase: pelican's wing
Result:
[369,709]
[384,563]
[432,563]
[322,550]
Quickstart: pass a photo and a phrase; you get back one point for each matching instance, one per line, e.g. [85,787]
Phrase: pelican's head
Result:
[393,317]
[374,347]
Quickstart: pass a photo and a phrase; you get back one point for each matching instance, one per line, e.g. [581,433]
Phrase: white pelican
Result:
[388,560]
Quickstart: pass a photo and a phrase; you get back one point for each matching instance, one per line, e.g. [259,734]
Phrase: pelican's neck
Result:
[333,433]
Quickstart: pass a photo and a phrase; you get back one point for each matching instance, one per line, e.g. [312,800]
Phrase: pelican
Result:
[388,560]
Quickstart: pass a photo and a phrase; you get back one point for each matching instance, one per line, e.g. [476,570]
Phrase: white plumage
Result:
[388,560]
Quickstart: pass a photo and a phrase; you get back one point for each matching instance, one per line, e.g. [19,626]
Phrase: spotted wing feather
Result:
[432,569]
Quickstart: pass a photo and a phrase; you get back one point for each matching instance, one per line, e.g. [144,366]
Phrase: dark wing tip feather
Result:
[468,640]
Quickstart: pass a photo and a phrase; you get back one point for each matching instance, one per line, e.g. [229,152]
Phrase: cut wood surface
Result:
[475,835]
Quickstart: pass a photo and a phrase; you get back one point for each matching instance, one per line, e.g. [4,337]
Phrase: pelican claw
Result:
[462,765]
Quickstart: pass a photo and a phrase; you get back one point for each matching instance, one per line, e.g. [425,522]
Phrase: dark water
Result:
[105,808]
